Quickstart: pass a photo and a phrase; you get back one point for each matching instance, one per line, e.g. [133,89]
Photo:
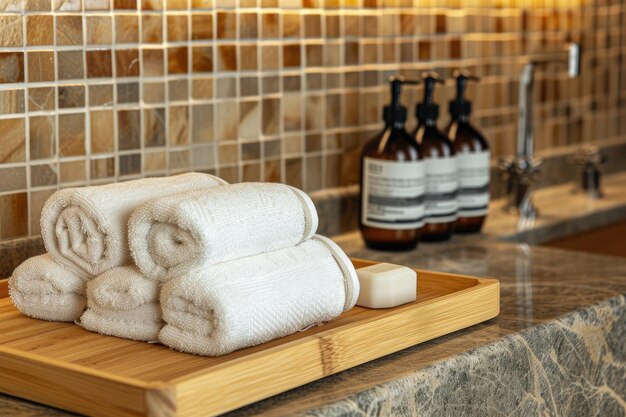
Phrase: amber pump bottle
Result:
[473,158]
[391,213]
[440,167]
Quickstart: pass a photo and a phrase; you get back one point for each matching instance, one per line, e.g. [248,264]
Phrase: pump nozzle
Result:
[428,109]
[460,107]
[394,112]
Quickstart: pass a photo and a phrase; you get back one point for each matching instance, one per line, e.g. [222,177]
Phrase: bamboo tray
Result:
[64,366]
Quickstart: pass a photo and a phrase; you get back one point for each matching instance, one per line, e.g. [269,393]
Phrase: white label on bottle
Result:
[442,183]
[393,194]
[474,173]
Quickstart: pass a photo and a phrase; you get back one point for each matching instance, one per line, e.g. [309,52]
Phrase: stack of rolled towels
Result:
[197,264]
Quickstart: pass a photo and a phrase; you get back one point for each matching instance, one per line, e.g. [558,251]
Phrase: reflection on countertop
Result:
[557,344]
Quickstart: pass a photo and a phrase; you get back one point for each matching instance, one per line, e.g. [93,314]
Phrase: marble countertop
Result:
[558,346]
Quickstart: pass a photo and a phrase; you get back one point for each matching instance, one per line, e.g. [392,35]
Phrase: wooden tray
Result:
[63,365]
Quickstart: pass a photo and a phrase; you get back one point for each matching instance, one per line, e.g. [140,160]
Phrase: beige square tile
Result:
[72,172]
[41,98]
[291,25]
[11,101]
[11,67]
[249,120]
[126,29]
[250,151]
[72,134]
[177,28]
[38,199]
[294,171]
[43,175]
[229,174]
[202,26]
[154,92]
[227,126]
[71,96]
[153,127]
[127,63]
[40,66]
[252,172]
[272,171]
[154,161]
[70,65]
[270,58]
[269,25]
[101,134]
[69,30]
[178,90]
[292,113]
[226,25]
[99,30]
[153,62]
[102,168]
[227,88]
[270,116]
[248,26]
[151,28]
[249,58]
[178,127]
[228,153]
[128,129]
[202,88]
[42,137]
[179,161]
[37,5]
[202,127]
[202,57]
[67,5]
[101,95]
[129,164]
[39,30]
[11,31]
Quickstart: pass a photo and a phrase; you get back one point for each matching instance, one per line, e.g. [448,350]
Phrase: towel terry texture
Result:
[43,289]
[123,303]
[171,236]
[85,228]
[231,305]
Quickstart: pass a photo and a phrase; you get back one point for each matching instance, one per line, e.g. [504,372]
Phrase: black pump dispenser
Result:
[395,114]
[428,110]
[460,108]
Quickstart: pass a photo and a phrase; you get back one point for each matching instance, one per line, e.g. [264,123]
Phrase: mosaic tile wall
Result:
[94,91]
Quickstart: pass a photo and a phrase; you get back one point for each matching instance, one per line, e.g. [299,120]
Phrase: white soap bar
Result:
[386,285]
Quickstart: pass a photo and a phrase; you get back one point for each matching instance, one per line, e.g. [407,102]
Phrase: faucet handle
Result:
[590,154]
[590,158]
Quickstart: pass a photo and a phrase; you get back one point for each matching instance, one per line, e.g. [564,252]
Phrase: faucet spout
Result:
[522,169]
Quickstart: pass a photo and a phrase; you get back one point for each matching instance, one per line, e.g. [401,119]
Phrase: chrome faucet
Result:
[522,169]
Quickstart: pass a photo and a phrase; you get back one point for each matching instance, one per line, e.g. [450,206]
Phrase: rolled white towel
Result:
[43,289]
[86,228]
[171,236]
[237,304]
[123,303]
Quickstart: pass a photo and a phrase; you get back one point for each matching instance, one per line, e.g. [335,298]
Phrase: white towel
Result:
[86,228]
[123,303]
[242,303]
[43,289]
[171,236]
